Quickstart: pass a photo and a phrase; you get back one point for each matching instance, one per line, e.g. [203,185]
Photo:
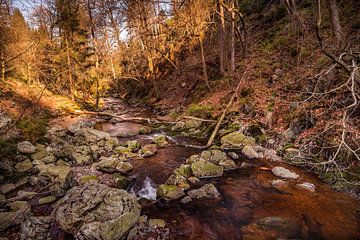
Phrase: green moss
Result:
[33,128]
[8,149]
[200,110]
[88,178]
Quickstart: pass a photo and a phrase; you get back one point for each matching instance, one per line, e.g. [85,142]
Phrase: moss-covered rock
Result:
[88,178]
[160,140]
[121,181]
[203,169]
[169,192]
[133,145]
[24,166]
[236,139]
[184,170]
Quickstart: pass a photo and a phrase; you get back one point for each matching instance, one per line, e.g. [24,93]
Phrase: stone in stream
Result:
[213,156]
[280,185]
[249,152]
[160,140]
[284,173]
[208,191]
[96,211]
[36,228]
[148,150]
[233,155]
[185,200]
[184,170]
[178,180]
[121,181]
[228,164]
[236,139]
[306,186]
[26,147]
[133,145]
[112,165]
[203,169]
[272,228]
[169,192]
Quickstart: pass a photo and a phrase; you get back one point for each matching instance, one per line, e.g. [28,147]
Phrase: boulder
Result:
[112,165]
[236,139]
[185,200]
[233,155]
[36,228]
[148,150]
[81,155]
[121,181]
[43,157]
[26,147]
[208,191]
[24,166]
[19,211]
[96,211]
[47,200]
[53,173]
[87,178]
[160,140]
[77,126]
[184,170]
[284,173]
[228,164]
[133,145]
[91,135]
[169,192]
[178,180]
[203,169]
[193,158]
[213,156]
[249,152]
[6,188]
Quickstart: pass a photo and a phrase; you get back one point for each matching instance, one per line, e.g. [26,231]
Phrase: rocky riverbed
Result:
[98,178]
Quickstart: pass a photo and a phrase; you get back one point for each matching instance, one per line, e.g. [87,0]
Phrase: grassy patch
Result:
[200,110]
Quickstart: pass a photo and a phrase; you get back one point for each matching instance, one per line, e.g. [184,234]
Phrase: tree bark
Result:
[203,60]
[233,67]
[221,28]
[335,21]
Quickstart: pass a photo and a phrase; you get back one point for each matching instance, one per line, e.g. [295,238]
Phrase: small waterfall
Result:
[148,191]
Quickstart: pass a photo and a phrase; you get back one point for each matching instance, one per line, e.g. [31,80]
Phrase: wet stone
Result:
[284,173]
[203,169]
[306,186]
[169,192]
[208,191]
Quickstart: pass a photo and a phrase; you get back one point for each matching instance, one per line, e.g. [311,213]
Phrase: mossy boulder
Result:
[121,181]
[112,165]
[169,192]
[160,140]
[24,166]
[184,170]
[178,180]
[203,169]
[133,145]
[148,150]
[236,139]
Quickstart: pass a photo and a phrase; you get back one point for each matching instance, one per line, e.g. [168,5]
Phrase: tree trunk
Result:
[335,21]
[203,61]
[2,67]
[233,39]
[221,28]
[71,80]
